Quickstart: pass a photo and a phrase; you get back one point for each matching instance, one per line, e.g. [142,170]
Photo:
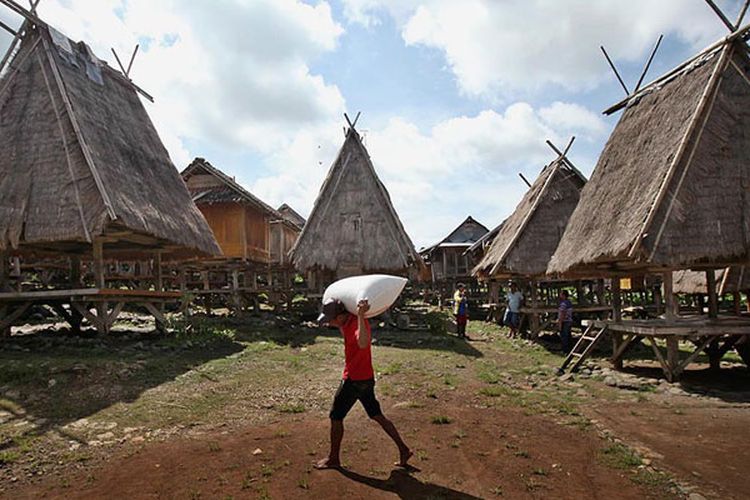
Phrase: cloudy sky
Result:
[457,97]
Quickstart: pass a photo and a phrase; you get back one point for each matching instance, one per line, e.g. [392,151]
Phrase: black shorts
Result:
[349,392]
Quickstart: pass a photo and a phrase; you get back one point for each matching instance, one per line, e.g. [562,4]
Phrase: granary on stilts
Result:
[448,261]
[84,177]
[284,233]
[526,240]
[254,239]
[353,228]
[670,192]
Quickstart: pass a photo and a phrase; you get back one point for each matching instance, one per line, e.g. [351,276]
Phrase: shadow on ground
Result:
[406,486]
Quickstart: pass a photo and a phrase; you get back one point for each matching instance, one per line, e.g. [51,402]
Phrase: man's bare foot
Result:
[327,463]
[404,456]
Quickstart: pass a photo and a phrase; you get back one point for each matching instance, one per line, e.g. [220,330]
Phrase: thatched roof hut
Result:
[284,233]
[353,227]
[240,221]
[526,240]
[669,189]
[448,258]
[81,161]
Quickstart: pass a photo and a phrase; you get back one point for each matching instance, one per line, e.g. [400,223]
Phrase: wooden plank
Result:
[622,348]
[616,299]
[4,271]
[156,313]
[86,313]
[660,358]
[684,363]
[673,355]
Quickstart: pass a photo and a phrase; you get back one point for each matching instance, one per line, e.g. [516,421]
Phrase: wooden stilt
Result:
[4,272]
[101,307]
[617,342]
[658,300]
[76,318]
[713,300]
[669,298]
[673,356]
[534,303]
[737,303]
[600,291]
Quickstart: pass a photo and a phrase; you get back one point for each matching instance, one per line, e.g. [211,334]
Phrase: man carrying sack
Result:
[358,380]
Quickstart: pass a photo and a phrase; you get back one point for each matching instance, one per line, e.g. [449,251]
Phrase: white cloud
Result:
[462,166]
[525,45]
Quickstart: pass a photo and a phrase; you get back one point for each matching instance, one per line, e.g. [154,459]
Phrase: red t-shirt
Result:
[358,361]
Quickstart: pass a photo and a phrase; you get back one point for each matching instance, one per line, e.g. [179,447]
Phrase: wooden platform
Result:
[99,306]
[714,336]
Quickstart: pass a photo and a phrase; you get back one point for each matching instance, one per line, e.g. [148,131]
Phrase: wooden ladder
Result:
[583,347]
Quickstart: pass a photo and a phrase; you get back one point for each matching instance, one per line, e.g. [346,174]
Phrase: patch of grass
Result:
[390,368]
[522,454]
[620,456]
[292,408]
[9,456]
[494,391]
[489,373]
[449,380]
[214,447]
[539,472]
[441,420]
[497,491]
[421,455]
[302,483]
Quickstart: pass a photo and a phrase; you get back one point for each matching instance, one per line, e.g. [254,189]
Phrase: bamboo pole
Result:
[713,299]
[669,297]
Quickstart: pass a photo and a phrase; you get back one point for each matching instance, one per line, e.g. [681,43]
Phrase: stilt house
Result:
[353,227]
[240,220]
[669,192]
[284,233]
[448,259]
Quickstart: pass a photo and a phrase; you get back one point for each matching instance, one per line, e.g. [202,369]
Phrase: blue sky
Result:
[456,97]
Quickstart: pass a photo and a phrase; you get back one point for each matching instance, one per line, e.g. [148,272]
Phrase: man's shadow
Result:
[405,485]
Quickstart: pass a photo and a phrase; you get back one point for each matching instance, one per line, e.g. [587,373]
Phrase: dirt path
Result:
[482,453]
[706,445]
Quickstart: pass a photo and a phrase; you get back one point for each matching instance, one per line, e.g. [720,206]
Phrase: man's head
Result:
[461,287]
[563,294]
[333,313]
[513,286]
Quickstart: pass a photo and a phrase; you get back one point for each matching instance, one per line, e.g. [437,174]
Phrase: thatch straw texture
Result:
[528,238]
[669,190]
[467,233]
[80,158]
[693,282]
[735,279]
[353,227]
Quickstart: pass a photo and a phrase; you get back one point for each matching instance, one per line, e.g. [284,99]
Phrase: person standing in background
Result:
[565,321]
[460,310]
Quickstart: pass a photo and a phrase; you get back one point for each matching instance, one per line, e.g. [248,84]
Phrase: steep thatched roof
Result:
[526,240]
[221,188]
[464,235]
[669,189]
[80,159]
[353,224]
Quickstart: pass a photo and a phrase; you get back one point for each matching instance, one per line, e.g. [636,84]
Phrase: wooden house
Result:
[284,233]
[240,221]
[447,259]
[353,227]
[669,192]
[84,176]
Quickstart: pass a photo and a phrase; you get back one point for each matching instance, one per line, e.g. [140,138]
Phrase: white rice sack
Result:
[380,290]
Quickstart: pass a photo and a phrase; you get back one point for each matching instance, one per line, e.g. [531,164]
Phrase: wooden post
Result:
[534,304]
[76,318]
[4,272]
[669,299]
[673,353]
[617,317]
[713,299]
[580,294]
[600,291]
[657,300]
[158,276]
[101,307]
[737,302]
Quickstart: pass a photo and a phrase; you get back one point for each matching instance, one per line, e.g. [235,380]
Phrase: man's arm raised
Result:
[363,333]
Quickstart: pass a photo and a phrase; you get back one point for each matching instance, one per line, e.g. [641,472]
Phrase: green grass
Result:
[619,456]
[441,420]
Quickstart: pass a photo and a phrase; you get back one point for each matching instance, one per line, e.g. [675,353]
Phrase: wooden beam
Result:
[669,297]
[699,347]
[673,356]
[713,299]
[9,318]
[616,299]
[4,272]
[660,358]
[721,16]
